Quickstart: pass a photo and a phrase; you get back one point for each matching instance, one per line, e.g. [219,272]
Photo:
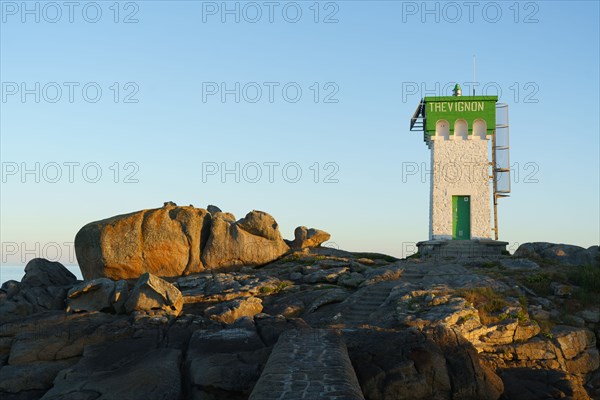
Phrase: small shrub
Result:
[523,301]
[587,277]
[466,318]
[375,256]
[540,284]
[486,301]
[274,289]
[266,290]
[521,317]
[548,335]
[491,264]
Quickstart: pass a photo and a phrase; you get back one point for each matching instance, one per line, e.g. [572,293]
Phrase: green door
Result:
[461,217]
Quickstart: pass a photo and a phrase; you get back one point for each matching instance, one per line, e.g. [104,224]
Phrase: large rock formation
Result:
[565,254]
[44,287]
[174,241]
[253,240]
[151,293]
[413,329]
[42,272]
[304,237]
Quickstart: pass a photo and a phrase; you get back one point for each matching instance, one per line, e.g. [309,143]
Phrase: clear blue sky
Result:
[371,67]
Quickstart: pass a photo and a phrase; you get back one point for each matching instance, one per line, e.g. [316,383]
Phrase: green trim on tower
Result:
[452,108]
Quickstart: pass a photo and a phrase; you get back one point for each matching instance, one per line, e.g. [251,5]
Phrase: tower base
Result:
[486,248]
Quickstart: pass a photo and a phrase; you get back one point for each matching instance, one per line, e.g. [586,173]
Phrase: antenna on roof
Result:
[474,75]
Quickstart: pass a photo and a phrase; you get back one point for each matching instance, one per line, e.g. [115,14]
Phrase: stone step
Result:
[368,303]
[308,364]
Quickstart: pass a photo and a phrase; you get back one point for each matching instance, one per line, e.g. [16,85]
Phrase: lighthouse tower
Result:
[459,131]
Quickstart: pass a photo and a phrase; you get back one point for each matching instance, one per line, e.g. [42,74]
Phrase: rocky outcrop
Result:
[230,311]
[151,293]
[410,329]
[173,241]
[253,240]
[44,287]
[99,294]
[412,364]
[225,361]
[127,369]
[304,237]
[31,378]
[164,241]
[42,272]
[564,254]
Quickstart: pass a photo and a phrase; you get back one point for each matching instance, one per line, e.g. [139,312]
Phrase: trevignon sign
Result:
[456,106]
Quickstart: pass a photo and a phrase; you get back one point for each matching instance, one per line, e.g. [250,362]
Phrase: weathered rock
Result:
[564,254]
[573,341]
[25,299]
[413,365]
[327,297]
[213,209]
[595,254]
[590,315]
[11,288]
[519,264]
[42,272]
[225,286]
[351,280]
[152,293]
[36,376]
[165,241]
[62,336]
[216,212]
[541,384]
[253,240]
[330,275]
[587,361]
[304,237]
[228,360]
[561,290]
[131,369]
[93,295]
[119,296]
[470,378]
[538,313]
[230,311]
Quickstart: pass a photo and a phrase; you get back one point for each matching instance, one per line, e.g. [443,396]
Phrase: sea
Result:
[16,272]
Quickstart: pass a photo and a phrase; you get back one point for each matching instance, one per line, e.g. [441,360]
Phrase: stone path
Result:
[367,304]
[308,364]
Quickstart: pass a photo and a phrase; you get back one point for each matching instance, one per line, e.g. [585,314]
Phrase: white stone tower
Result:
[458,131]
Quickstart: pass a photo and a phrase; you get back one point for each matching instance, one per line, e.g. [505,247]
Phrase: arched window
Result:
[480,129]
[460,129]
[442,128]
